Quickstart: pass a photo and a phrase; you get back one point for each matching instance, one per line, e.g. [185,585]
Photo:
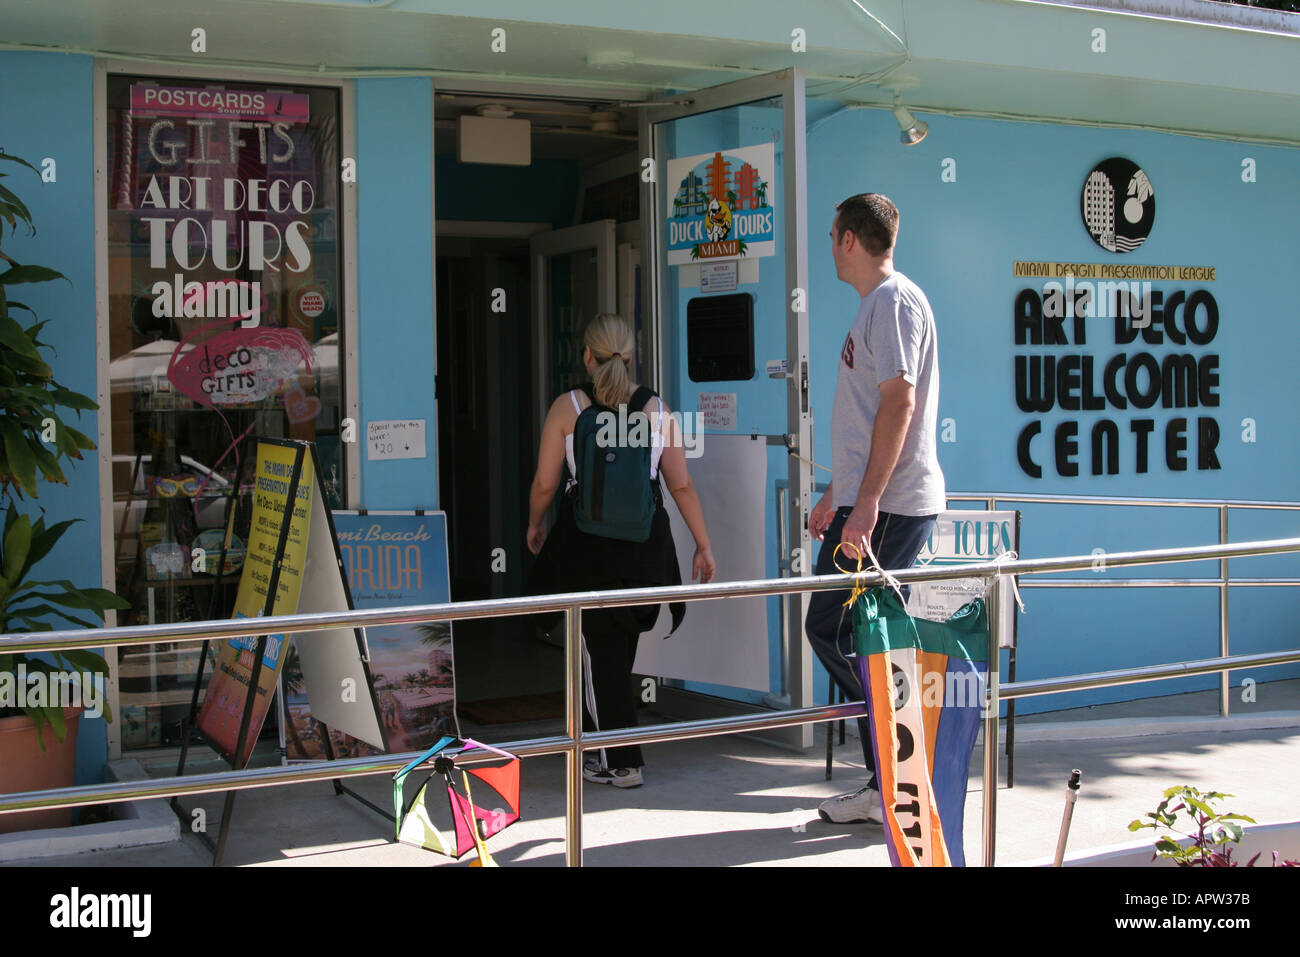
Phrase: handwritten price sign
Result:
[397,439]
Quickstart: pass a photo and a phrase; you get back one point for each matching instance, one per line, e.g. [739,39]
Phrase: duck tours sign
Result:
[721,205]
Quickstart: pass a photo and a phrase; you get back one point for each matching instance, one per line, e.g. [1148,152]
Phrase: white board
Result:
[338,688]
[724,641]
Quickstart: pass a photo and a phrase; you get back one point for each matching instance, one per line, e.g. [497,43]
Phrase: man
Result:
[886,486]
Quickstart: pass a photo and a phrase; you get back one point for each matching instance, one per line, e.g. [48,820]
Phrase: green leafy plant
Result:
[31,401]
[1214,835]
[26,605]
[30,413]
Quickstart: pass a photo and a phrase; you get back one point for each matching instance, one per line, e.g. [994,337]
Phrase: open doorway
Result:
[526,256]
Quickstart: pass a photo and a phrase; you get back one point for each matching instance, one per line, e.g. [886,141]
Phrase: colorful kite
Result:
[471,823]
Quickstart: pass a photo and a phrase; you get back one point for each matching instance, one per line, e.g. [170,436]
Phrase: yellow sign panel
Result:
[223,705]
[1055,270]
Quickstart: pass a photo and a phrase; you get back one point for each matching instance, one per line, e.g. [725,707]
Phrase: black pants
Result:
[896,540]
[609,700]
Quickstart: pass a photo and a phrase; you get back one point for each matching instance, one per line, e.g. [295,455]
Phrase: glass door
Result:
[725,267]
[574,280]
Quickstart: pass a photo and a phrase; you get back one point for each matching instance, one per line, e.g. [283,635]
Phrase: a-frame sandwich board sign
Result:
[292,564]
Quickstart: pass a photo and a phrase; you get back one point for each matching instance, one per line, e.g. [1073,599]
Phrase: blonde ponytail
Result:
[612,345]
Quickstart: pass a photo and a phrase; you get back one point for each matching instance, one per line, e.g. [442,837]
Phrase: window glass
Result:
[225,305]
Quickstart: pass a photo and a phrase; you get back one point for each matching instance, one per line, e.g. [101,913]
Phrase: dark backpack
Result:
[615,496]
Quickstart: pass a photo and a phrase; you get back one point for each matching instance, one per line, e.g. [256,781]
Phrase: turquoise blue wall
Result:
[1016,197]
[46,104]
[395,290]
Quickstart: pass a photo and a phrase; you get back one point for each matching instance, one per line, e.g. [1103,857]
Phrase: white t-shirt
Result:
[893,333]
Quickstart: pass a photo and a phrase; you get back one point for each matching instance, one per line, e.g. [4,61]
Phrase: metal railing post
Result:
[573,726]
[782,556]
[991,708]
[1225,681]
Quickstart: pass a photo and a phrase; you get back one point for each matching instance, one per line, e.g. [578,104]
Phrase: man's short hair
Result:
[872,218]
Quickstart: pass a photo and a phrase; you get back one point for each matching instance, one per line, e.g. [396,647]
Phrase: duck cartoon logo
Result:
[719,221]
[721,206]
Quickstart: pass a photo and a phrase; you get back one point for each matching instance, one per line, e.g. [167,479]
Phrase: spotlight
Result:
[913,130]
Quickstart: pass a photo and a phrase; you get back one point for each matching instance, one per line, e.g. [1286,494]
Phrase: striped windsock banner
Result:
[924,684]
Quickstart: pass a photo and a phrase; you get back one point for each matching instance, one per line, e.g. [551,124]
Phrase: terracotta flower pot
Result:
[25,767]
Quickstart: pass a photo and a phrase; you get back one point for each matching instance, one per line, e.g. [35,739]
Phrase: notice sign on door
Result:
[719,277]
[721,205]
[397,439]
[718,411]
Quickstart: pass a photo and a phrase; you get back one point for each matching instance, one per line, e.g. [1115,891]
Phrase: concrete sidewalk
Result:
[736,801]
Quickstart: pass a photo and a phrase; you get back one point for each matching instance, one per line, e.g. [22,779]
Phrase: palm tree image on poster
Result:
[301,732]
[707,202]
[391,558]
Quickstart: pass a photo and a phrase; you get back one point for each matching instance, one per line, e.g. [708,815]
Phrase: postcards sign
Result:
[721,205]
[265,106]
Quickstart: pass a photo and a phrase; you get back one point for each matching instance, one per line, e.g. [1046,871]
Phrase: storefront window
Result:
[225,323]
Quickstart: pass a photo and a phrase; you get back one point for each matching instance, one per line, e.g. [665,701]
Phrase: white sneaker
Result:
[619,777]
[859,806]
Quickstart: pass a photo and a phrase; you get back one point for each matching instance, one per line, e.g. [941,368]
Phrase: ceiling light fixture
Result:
[604,121]
[913,130]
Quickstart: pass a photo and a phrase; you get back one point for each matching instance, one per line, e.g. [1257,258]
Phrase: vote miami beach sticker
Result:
[721,205]
[1118,205]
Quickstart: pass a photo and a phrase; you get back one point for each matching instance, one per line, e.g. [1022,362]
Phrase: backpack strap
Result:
[640,398]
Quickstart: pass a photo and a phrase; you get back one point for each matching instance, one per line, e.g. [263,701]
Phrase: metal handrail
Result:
[1046,498]
[1224,582]
[504,607]
[574,742]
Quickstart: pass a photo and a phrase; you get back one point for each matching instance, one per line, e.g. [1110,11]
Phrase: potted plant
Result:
[37,693]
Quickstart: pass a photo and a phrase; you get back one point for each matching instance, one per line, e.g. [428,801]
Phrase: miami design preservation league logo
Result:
[1118,205]
[721,205]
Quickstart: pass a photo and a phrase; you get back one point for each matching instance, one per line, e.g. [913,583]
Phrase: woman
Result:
[573,560]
